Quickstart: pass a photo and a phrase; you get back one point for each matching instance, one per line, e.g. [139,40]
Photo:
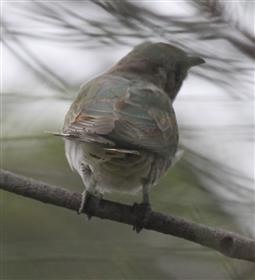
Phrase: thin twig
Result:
[228,243]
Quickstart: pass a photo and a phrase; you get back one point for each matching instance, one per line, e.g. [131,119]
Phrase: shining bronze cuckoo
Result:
[121,132]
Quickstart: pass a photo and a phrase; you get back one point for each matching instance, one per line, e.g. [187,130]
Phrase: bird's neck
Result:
[141,69]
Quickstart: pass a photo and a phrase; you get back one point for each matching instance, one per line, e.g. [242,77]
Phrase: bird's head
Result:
[166,63]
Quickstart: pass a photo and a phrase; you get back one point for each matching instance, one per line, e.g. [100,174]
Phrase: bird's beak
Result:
[194,60]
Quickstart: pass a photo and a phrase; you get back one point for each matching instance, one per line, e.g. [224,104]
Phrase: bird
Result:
[121,132]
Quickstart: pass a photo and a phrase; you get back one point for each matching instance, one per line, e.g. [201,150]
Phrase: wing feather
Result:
[133,116]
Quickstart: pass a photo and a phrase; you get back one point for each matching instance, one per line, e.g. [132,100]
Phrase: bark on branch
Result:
[228,243]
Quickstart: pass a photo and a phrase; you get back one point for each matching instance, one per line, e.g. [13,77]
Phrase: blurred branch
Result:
[31,61]
[228,243]
[208,32]
[216,10]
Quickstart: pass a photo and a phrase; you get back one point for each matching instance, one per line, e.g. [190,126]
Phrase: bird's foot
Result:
[142,211]
[84,199]
[86,196]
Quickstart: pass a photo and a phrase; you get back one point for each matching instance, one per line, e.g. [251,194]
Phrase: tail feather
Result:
[89,138]
[122,151]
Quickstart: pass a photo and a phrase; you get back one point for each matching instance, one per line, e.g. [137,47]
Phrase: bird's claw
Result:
[86,196]
[142,211]
[84,200]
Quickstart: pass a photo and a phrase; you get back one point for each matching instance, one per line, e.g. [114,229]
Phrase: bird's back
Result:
[124,113]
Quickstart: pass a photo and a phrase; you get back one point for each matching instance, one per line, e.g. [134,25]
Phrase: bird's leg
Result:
[87,194]
[143,209]
[84,198]
[146,198]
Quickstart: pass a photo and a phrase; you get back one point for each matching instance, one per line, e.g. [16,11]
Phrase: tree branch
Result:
[228,243]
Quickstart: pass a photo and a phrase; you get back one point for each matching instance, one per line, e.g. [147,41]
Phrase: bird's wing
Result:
[131,115]
[93,125]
